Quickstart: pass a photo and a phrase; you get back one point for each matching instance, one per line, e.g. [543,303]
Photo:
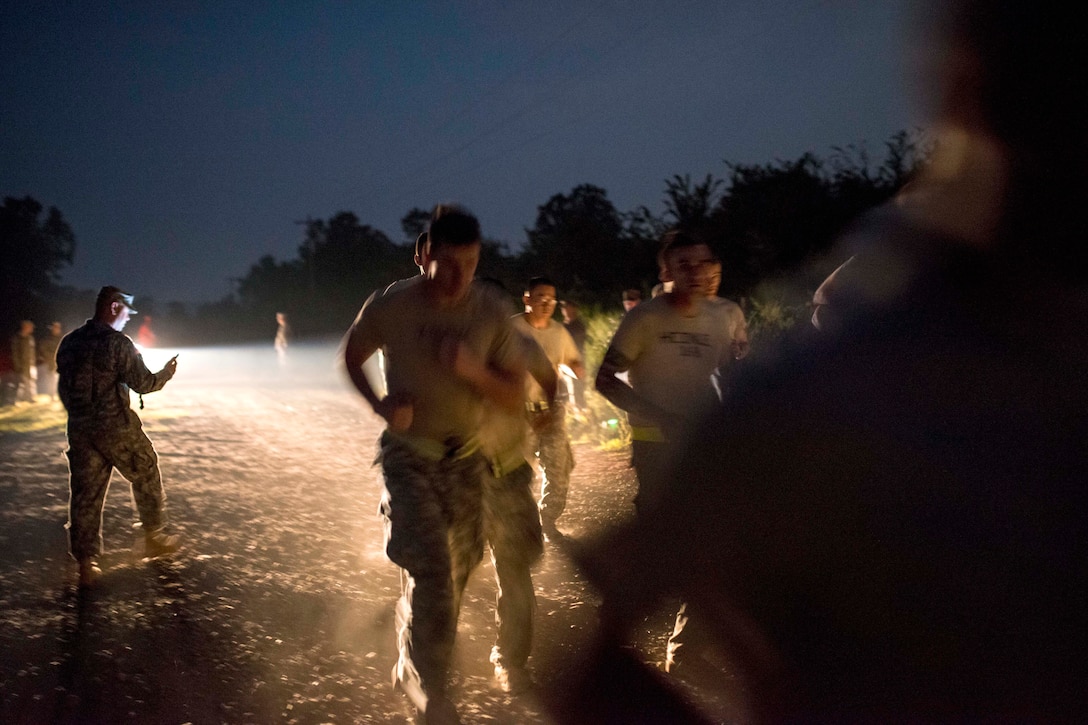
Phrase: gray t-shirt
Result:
[557,344]
[672,356]
[410,329]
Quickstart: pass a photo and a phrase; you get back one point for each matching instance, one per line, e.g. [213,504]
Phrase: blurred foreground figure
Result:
[97,365]
[890,523]
[449,348]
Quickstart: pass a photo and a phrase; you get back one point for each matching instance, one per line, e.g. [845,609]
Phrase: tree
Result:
[34,250]
[271,286]
[689,206]
[579,241]
[415,223]
[775,218]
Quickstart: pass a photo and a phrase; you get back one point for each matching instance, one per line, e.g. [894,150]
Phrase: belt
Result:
[538,406]
[452,448]
[506,463]
[647,433]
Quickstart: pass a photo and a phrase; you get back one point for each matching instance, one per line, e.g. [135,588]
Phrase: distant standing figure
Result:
[280,343]
[47,361]
[97,365]
[23,359]
[145,335]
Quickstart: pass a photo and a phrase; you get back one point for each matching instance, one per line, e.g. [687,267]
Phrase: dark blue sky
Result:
[182,140]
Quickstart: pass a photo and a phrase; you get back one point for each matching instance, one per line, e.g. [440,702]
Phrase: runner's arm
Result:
[396,410]
[619,393]
[505,388]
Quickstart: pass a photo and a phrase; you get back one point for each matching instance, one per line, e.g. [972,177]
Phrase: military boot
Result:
[158,543]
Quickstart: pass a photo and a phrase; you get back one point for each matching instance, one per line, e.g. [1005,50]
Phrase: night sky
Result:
[183,141]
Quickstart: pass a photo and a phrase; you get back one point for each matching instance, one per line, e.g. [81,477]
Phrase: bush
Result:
[601,424]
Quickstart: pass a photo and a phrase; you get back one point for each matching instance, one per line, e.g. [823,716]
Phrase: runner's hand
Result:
[397,410]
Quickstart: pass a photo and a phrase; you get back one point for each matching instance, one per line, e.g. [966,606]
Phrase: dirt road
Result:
[280,607]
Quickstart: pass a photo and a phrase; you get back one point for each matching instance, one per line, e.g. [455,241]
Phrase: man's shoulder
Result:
[487,303]
[97,335]
[399,286]
[557,328]
[648,311]
[726,308]
[725,303]
[398,296]
[88,329]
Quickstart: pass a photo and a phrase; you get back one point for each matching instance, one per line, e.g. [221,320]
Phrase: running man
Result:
[448,349]
[548,420]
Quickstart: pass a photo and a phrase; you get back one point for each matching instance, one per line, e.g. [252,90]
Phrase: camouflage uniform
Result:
[434,531]
[552,445]
[512,526]
[22,361]
[433,471]
[47,364]
[97,366]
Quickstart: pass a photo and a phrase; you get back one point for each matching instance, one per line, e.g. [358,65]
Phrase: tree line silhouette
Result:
[765,221]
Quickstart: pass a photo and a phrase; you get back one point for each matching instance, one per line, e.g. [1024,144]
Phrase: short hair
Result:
[631,294]
[452,225]
[535,282]
[676,239]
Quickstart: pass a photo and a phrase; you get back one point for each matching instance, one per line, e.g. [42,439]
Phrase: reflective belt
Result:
[433,450]
[506,462]
[648,433]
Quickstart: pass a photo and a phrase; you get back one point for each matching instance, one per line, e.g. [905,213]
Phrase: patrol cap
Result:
[109,294]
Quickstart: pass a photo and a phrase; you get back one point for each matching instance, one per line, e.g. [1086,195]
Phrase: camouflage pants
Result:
[25,388]
[434,531]
[512,526]
[651,463]
[552,446]
[47,381]
[92,456]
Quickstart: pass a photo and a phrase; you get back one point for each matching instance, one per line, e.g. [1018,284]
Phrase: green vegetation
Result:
[32,418]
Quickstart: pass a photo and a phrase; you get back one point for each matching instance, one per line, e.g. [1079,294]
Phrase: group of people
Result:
[884,520]
[471,398]
[34,363]
[881,522]
[469,392]
[34,360]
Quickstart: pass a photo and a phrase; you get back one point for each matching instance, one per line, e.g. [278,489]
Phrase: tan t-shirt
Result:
[672,356]
[409,329]
[738,326]
[556,342]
